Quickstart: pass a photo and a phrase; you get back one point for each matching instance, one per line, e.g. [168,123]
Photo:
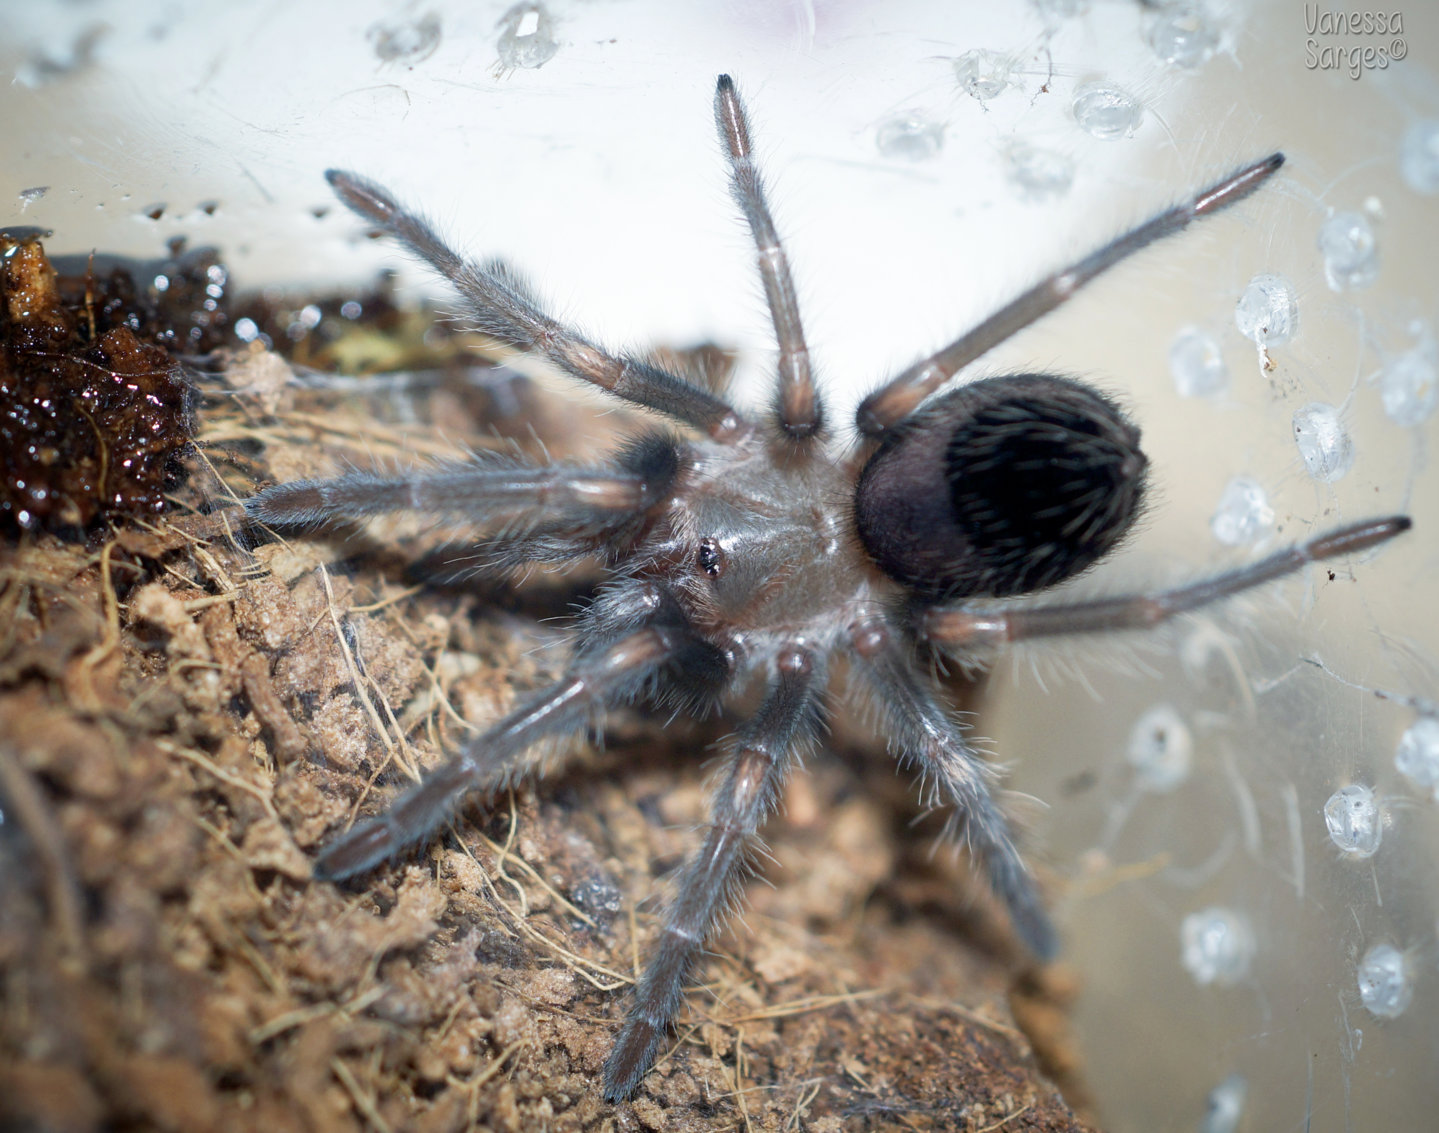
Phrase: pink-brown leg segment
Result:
[963,628]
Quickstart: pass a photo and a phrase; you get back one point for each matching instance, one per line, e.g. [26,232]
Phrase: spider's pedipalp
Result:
[973,627]
[501,306]
[754,772]
[897,399]
[923,732]
[797,401]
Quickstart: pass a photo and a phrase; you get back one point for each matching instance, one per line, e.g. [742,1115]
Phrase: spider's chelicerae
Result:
[742,550]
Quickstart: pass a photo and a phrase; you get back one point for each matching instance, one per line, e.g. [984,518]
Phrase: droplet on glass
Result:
[1351,254]
[1107,111]
[1324,443]
[405,40]
[1419,157]
[1217,946]
[1244,515]
[909,136]
[1183,35]
[1196,364]
[528,37]
[1268,311]
[1354,820]
[1386,983]
[1038,174]
[984,74]
[1409,384]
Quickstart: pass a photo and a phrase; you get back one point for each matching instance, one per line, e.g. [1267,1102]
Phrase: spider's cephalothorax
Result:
[746,549]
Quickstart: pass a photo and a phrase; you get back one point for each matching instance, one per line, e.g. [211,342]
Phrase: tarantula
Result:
[741,549]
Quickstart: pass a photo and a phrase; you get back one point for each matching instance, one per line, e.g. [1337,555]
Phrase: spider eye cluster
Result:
[711,558]
[1001,487]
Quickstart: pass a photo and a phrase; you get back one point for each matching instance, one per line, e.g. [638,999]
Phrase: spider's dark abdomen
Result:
[1001,487]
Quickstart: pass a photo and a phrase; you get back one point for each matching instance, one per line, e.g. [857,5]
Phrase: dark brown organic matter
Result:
[94,412]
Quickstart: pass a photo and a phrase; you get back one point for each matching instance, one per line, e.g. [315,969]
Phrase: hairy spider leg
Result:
[754,772]
[797,402]
[502,306]
[491,488]
[923,731]
[973,626]
[599,679]
[896,400]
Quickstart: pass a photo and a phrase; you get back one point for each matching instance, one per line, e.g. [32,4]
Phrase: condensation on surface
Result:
[409,39]
[1409,383]
[1419,157]
[1244,514]
[1386,981]
[527,37]
[1196,364]
[912,137]
[1324,444]
[1183,35]
[1217,946]
[1161,749]
[984,74]
[1037,175]
[1354,820]
[1106,111]
[1350,251]
[1268,311]
[1417,756]
[1224,1107]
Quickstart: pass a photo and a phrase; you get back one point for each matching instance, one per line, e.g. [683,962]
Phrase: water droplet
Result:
[1354,820]
[1386,984]
[1106,111]
[1196,364]
[1243,515]
[1419,157]
[1417,756]
[408,41]
[1217,946]
[528,38]
[1351,255]
[984,74]
[1224,1108]
[1183,34]
[1409,384]
[1037,174]
[1324,443]
[909,136]
[1268,311]
[1161,749]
